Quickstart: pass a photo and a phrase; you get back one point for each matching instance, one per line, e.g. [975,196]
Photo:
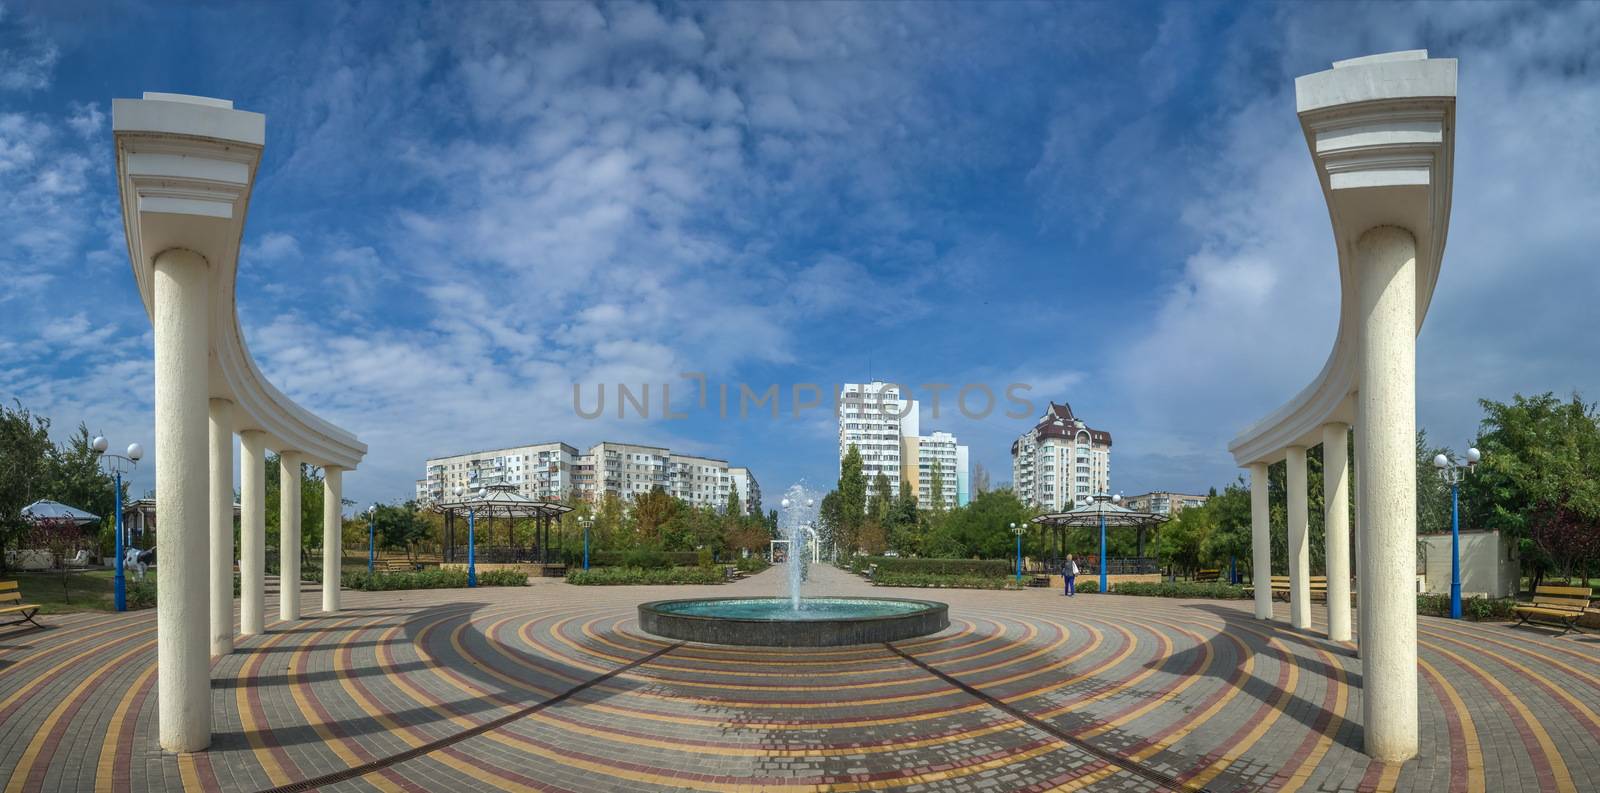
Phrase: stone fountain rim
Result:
[928,605]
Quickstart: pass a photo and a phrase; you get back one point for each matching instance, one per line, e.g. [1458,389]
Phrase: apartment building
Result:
[1061,462]
[1163,502]
[560,471]
[938,457]
[884,425]
[749,490]
[875,417]
[538,470]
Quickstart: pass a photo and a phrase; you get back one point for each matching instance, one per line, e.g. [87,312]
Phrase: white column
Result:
[332,536]
[252,532]
[1261,541]
[183,689]
[1299,538]
[1336,500]
[288,535]
[1358,527]
[1385,259]
[221,527]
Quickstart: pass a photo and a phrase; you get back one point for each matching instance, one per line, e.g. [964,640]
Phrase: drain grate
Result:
[450,740]
[1166,781]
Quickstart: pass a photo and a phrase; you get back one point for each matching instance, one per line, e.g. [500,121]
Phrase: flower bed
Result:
[944,581]
[429,579]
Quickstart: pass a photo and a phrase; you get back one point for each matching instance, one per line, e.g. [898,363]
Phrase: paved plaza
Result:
[553,687]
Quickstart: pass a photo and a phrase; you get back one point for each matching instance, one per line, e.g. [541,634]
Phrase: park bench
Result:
[1318,584]
[11,603]
[1207,576]
[733,573]
[394,566]
[553,570]
[1556,605]
[1039,581]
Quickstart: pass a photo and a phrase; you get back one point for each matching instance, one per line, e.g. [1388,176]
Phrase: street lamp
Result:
[472,540]
[1101,499]
[117,463]
[587,521]
[372,538]
[1019,531]
[1451,472]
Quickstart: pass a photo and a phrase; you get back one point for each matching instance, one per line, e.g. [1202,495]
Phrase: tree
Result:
[980,479]
[936,487]
[24,455]
[882,495]
[310,504]
[1182,540]
[906,531]
[1230,537]
[852,500]
[62,539]
[830,516]
[981,529]
[399,526]
[651,511]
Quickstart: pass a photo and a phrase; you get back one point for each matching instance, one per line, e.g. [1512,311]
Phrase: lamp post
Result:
[472,542]
[1451,472]
[116,463]
[372,538]
[1019,531]
[1101,499]
[587,522]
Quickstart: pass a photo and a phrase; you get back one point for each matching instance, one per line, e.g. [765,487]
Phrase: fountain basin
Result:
[772,622]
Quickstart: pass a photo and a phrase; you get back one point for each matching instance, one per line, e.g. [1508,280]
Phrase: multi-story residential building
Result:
[939,454]
[560,471]
[875,417]
[1163,502]
[749,490]
[884,425]
[1061,461]
[539,470]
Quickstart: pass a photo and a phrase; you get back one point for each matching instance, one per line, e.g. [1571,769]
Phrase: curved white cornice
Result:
[1381,131]
[185,167]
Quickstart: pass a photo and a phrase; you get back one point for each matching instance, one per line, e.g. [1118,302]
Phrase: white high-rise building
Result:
[874,417]
[538,470]
[749,490]
[1061,461]
[939,454]
[884,425]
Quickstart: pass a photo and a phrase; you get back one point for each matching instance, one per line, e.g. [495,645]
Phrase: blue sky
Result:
[464,209]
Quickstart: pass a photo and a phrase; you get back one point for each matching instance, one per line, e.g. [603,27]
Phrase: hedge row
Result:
[429,579]
[620,576]
[752,564]
[1181,589]
[649,558]
[942,581]
[997,568]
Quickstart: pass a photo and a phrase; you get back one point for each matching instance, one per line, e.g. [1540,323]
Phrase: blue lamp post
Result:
[1451,472]
[1019,531]
[1101,499]
[472,543]
[586,522]
[117,463]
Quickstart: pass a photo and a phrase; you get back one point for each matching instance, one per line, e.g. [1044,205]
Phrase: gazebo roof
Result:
[1090,514]
[507,501]
[46,510]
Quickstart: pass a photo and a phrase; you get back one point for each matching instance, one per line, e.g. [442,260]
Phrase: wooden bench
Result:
[1207,576]
[11,603]
[1556,605]
[1318,584]
[394,566]
[1039,581]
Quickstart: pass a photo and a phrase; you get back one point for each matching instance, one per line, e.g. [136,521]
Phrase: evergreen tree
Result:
[852,500]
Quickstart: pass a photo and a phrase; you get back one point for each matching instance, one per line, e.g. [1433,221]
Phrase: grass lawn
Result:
[86,591]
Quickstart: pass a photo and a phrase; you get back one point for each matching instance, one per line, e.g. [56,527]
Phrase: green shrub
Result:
[752,564]
[502,577]
[1180,589]
[434,578]
[944,581]
[617,576]
[1476,609]
[141,594]
[704,557]
[997,568]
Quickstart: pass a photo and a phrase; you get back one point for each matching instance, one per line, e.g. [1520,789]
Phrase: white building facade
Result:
[875,418]
[1061,461]
[744,483]
[556,470]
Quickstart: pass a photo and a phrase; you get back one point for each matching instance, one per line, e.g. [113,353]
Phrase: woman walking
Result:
[1069,573]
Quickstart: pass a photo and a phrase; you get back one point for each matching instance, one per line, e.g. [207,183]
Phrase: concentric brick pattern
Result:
[554,688]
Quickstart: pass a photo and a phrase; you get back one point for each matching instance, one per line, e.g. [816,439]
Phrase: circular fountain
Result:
[775,622]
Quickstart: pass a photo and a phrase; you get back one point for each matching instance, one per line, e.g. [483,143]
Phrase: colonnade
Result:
[1381,133]
[185,169]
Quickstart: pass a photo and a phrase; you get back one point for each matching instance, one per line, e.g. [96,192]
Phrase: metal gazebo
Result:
[501,501]
[1103,511]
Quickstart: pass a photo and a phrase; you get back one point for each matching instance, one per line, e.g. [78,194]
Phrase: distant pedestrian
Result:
[1069,573]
